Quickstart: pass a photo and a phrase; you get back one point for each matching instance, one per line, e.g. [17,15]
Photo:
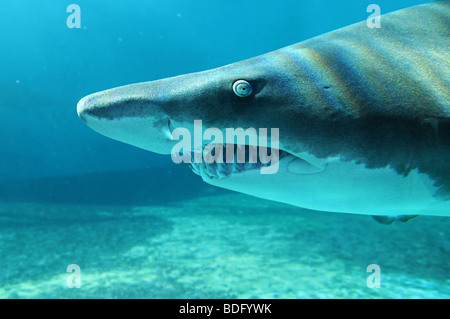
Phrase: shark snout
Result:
[83,107]
[129,114]
[114,104]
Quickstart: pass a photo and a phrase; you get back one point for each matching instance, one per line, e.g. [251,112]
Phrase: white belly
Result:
[344,187]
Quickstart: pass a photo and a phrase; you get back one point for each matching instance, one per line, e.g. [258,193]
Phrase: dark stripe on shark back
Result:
[376,72]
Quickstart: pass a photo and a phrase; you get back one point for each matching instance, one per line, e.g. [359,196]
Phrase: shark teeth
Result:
[223,170]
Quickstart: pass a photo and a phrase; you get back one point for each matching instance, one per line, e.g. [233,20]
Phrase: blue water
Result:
[140,226]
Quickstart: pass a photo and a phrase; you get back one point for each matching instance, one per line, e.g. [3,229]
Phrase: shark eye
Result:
[242,88]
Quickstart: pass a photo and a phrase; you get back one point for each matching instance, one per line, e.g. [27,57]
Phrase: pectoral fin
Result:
[387,220]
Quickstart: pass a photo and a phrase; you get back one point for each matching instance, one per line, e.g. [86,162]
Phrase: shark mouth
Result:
[243,158]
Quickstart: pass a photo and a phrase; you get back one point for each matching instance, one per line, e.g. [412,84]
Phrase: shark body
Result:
[363,116]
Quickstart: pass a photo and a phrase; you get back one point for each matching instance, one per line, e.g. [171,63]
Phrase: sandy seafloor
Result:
[224,245]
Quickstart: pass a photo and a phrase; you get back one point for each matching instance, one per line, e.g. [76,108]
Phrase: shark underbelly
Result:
[344,187]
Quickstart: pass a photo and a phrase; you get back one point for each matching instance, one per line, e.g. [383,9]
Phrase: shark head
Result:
[145,114]
[250,94]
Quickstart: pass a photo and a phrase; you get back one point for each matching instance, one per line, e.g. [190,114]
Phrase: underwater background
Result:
[140,226]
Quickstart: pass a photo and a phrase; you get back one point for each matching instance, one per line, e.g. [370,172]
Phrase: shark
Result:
[363,116]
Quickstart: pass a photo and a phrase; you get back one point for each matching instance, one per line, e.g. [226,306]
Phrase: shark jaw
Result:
[244,159]
[232,155]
